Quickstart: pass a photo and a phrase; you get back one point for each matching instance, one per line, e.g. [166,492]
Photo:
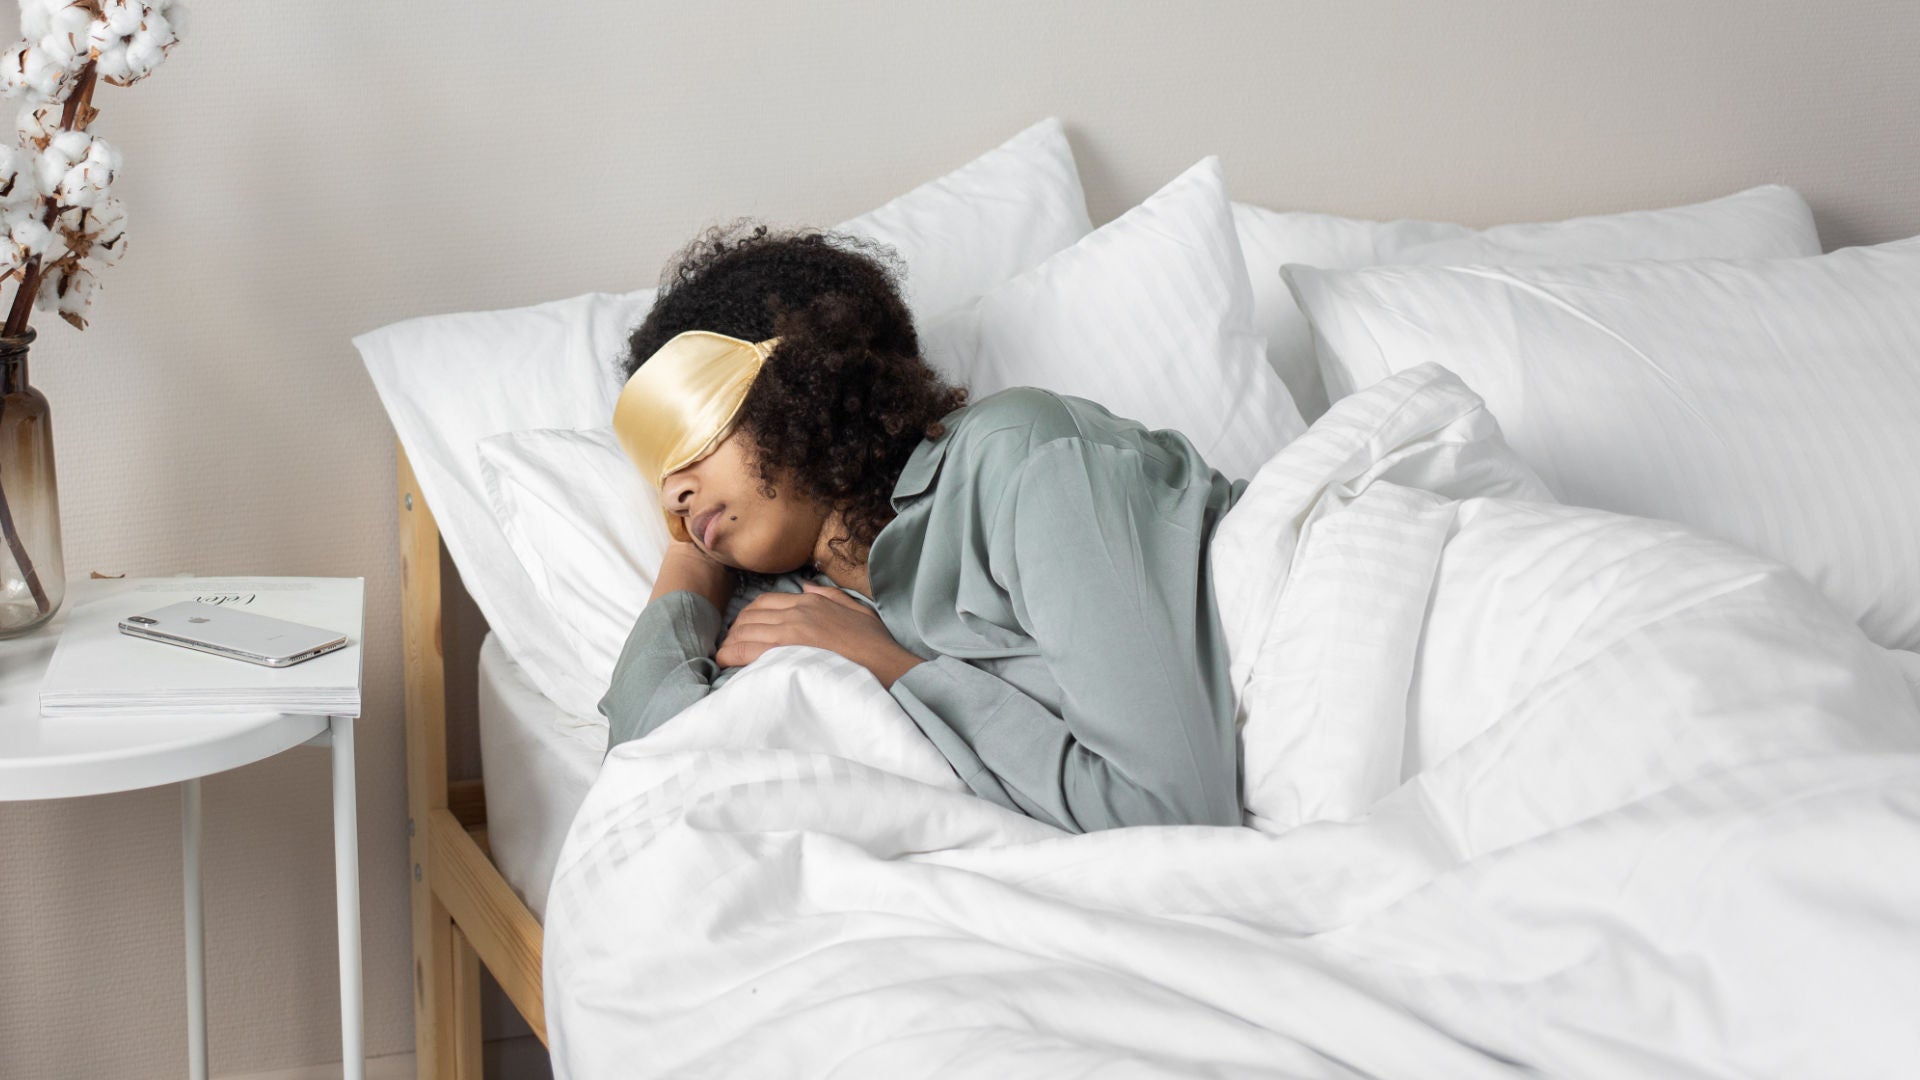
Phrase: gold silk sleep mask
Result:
[680,404]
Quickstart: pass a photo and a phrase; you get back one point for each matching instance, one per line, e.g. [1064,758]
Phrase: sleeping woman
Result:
[1025,573]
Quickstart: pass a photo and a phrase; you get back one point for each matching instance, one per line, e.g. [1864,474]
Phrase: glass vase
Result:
[32,571]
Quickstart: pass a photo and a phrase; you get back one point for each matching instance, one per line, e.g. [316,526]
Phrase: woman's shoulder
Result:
[1005,435]
[1027,415]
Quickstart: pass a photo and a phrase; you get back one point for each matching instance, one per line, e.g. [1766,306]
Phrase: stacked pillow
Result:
[1151,316]
[1649,387]
[1764,222]
[449,382]
[1774,403]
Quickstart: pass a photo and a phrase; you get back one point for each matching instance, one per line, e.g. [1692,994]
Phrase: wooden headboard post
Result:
[464,912]
[446,1020]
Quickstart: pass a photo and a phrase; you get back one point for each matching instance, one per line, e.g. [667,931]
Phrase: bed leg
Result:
[433,991]
[463,1009]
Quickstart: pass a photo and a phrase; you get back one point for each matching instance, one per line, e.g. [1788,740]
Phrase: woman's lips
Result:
[706,525]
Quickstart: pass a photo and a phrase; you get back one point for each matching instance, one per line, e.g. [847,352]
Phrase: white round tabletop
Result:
[54,757]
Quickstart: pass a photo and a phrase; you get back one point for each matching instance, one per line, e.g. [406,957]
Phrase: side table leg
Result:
[196,930]
[346,878]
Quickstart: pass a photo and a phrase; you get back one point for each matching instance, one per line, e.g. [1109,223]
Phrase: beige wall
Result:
[300,172]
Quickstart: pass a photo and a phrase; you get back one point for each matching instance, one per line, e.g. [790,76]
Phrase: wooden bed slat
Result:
[503,932]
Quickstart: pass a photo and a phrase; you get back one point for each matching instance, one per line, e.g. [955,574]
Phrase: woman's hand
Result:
[821,617]
[687,566]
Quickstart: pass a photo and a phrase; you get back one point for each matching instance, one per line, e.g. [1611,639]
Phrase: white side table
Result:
[63,757]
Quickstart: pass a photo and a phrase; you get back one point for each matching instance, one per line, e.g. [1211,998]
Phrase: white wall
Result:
[299,172]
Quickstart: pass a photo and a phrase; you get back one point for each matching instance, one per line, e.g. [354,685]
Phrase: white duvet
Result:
[1533,790]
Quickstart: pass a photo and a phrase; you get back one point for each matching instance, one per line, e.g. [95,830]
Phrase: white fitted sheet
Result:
[539,762]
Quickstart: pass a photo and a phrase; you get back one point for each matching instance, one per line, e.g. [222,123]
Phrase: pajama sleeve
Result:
[1091,545]
[666,665]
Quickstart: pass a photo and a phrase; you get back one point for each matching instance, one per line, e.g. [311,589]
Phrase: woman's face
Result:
[720,496]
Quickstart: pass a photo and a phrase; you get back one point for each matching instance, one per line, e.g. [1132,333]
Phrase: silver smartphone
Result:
[241,635]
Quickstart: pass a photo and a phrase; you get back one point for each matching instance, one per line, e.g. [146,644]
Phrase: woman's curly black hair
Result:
[845,396]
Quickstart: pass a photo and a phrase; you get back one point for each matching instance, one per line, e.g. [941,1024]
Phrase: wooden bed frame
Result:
[464,913]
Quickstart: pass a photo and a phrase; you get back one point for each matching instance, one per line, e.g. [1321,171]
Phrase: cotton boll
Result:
[38,124]
[143,55]
[68,34]
[86,182]
[13,78]
[73,144]
[35,238]
[17,185]
[62,49]
[49,169]
[60,154]
[78,297]
[36,17]
[108,39]
[13,214]
[105,229]
[26,71]
[164,30]
[123,53]
[147,48]
[109,249]
[92,224]
[109,216]
[109,52]
[122,18]
[110,62]
[69,290]
[96,237]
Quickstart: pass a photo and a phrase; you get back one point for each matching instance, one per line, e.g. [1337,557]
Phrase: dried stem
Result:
[73,117]
[19,551]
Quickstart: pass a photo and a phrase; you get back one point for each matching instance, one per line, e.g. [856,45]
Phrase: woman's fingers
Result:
[773,619]
[766,616]
[738,653]
[834,595]
[772,626]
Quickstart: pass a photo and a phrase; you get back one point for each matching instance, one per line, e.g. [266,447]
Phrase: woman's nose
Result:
[679,493]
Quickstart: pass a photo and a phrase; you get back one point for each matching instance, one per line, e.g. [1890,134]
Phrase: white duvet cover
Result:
[1532,790]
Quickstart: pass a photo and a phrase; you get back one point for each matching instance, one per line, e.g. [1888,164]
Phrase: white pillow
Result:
[588,530]
[1150,315]
[1774,403]
[1760,223]
[449,381]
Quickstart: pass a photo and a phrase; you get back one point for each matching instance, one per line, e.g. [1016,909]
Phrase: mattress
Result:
[538,761]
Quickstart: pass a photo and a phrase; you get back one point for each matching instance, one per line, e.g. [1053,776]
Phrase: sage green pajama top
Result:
[1050,561]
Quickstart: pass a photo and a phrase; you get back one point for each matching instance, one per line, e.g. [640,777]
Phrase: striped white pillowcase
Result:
[1767,222]
[1774,403]
[1151,315]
